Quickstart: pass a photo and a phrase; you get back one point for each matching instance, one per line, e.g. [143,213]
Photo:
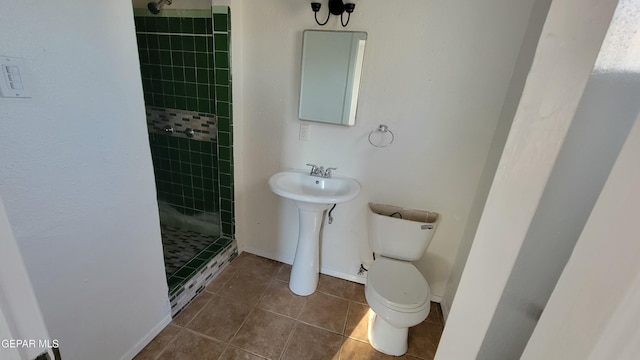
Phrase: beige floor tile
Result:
[326,311]
[189,346]
[341,288]
[435,314]
[358,293]
[218,282]
[245,287]
[357,321]
[155,347]
[284,273]
[312,343]
[249,313]
[220,318]
[424,339]
[190,311]
[232,353]
[264,333]
[254,264]
[279,299]
[357,350]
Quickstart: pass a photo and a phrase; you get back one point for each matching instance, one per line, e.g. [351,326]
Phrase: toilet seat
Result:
[398,285]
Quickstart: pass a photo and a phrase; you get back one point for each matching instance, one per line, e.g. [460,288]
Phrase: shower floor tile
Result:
[182,245]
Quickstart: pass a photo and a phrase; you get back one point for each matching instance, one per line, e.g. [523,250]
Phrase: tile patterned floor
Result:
[181,245]
[249,313]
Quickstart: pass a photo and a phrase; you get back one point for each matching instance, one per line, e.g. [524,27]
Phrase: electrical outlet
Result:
[304,132]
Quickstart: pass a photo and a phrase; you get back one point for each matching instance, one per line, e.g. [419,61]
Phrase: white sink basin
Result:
[299,185]
[312,195]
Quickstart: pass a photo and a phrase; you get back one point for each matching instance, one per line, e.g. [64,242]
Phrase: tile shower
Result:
[186,79]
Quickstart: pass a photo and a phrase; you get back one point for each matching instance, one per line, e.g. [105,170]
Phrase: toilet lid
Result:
[398,283]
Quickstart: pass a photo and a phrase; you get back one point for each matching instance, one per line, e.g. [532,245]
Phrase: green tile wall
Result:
[177,62]
[185,64]
[185,172]
[222,73]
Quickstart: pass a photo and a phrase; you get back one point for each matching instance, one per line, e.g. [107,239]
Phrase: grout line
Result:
[205,336]
[264,292]
[286,344]
[346,317]
[199,311]
[241,325]
[169,343]
[246,351]
[227,267]
[318,327]
[344,340]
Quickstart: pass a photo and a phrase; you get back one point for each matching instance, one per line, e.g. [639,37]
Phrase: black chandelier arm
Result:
[325,22]
[344,24]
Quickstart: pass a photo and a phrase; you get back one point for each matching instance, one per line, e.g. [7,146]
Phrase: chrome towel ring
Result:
[381,138]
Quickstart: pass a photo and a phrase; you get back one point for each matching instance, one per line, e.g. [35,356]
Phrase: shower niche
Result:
[185,68]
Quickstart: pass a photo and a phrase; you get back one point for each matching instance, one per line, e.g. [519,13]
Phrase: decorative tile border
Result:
[164,12]
[199,281]
[181,123]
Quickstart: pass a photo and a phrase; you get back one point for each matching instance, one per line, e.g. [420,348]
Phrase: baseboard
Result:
[445,310]
[268,255]
[323,270]
[147,338]
[345,276]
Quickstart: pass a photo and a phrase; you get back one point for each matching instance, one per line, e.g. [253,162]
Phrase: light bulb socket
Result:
[349,7]
[315,6]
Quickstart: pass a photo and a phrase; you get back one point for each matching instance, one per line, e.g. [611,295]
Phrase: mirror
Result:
[330,81]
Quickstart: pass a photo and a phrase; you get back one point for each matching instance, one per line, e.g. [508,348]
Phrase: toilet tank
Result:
[400,233]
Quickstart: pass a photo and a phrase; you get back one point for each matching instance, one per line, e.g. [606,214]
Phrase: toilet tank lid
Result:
[399,283]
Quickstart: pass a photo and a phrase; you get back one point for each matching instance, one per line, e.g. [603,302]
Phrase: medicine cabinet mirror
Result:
[331,71]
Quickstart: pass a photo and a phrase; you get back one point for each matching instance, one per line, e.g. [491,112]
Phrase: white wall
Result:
[5,333]
[76,176]
[436,72]
[521,70]
[607,110]
[570,40]
[578,323]
[603,119]
[20,316]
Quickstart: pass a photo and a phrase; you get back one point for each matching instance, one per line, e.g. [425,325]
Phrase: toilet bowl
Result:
[397,293]
[398,296]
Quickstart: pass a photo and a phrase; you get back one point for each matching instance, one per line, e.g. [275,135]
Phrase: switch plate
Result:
[13,78]
[304,132]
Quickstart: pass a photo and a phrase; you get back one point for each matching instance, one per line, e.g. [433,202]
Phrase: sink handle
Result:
[327,172]
[314,169]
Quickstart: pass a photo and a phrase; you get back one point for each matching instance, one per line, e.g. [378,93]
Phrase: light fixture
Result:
[336,7]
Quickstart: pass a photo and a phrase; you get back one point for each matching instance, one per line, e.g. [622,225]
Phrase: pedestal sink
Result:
[312,195]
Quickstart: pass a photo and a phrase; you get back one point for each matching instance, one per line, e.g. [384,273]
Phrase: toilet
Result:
[397,293]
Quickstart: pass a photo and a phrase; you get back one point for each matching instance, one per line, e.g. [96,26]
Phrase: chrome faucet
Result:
[320,171]
[327,172]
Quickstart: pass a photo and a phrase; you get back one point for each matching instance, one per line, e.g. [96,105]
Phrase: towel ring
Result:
[383,130]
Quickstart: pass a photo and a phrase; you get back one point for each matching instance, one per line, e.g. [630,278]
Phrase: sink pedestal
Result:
[312,196]
[306,265]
